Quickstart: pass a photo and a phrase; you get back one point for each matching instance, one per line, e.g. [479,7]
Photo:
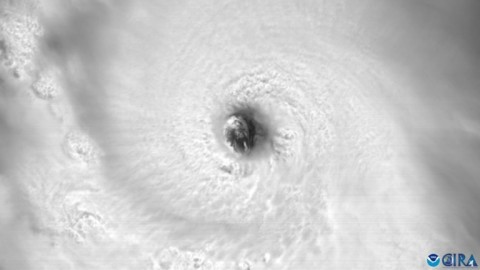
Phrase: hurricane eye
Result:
[240,132]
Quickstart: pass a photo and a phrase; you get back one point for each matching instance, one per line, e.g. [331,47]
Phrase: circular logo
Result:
[433,260]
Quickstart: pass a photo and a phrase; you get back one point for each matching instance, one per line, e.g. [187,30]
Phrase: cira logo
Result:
[451,260]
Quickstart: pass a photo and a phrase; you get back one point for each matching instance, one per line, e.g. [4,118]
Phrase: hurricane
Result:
[238,134]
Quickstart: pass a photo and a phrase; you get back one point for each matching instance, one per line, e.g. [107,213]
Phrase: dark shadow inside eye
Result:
[240,132]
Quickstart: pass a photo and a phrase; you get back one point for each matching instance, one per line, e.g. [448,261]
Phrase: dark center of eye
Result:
[239,131]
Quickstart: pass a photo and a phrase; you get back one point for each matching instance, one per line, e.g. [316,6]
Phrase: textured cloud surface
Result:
[113,154]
